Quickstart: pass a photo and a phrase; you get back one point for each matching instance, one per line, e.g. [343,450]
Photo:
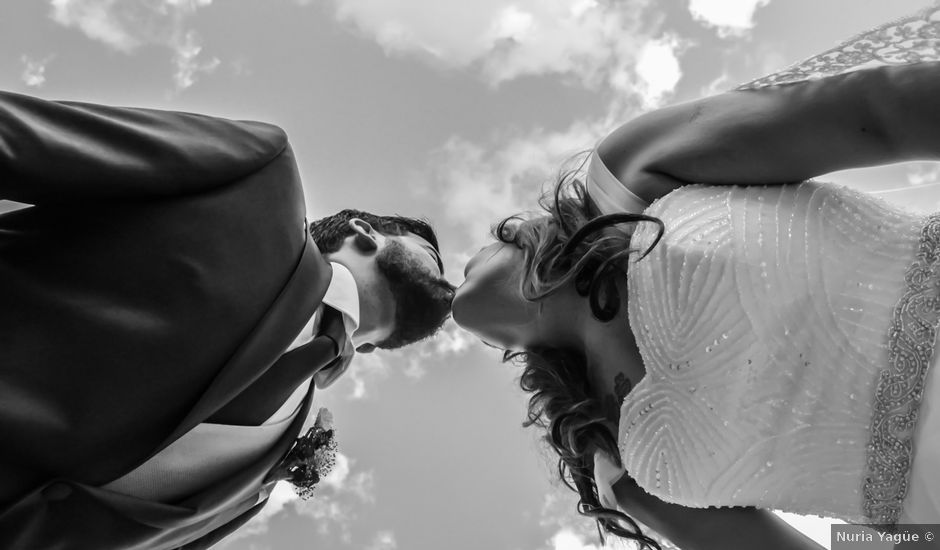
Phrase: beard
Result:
[422,299]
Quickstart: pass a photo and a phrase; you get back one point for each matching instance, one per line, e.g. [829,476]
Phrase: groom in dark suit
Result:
[165,313]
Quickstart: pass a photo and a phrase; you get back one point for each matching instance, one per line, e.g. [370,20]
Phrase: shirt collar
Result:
[343,295]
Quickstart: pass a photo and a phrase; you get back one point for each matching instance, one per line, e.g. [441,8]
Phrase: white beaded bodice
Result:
[763,319]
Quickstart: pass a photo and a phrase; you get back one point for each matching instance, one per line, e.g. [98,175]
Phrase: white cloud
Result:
[658,69]
[416,369]
[126,25]
[365,370]
[565,539]
[721,83]
[97,20]
[481,183]
[728,17]
[384,540]
[593,41]
[342,481]
[513,24]
[334,501]
[329,515]
[281,496]
[451,340]
[922,192]
[612,46]
[437,352]
[241,66]
[335,505]
[368,370]
[572,531]
[187,62]
[362,485]
[34,70]
[922,173]
[337,476]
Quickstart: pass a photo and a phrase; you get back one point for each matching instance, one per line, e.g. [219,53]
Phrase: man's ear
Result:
[365,237]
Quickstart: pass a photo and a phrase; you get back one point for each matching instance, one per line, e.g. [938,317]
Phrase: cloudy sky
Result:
[454,110]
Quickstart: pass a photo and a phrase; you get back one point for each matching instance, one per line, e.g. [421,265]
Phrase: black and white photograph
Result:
[502,274]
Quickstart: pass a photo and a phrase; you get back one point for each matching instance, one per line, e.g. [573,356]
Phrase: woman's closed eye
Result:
[489,345]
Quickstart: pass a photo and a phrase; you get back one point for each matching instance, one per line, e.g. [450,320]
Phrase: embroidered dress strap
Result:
[911,39]
[900,386]
[608,193]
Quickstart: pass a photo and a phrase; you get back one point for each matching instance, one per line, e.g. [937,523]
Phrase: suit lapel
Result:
[230,495]
[293,307]
[248,482]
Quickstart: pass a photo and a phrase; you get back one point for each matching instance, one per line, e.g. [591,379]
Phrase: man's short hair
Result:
[330,232]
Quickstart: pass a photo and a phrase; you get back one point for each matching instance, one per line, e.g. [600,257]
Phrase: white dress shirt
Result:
[342,295]
[211,452]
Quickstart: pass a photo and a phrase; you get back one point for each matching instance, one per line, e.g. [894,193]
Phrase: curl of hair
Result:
[574,244]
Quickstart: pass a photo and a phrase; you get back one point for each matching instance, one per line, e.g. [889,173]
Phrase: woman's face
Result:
[489,303]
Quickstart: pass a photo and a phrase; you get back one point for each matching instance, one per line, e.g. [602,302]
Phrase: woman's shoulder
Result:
[613,195]
[607,192]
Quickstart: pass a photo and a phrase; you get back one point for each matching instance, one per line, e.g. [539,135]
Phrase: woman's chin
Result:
[470,313]
[457,307]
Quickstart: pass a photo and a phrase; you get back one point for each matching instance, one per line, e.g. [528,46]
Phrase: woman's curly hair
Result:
[573,243]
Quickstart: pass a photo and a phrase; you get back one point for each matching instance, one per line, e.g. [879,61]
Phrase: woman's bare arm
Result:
[710,528]
[784,133]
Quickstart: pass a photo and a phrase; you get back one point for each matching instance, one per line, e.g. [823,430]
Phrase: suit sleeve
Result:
[56,152]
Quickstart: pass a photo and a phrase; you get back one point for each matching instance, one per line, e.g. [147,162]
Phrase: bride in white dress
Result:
[767,346]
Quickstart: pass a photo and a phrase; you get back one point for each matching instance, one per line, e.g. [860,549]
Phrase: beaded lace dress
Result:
[787,333]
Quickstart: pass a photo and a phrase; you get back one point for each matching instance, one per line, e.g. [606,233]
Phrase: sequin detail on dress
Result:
[912,39]
[763,318]
[901,385]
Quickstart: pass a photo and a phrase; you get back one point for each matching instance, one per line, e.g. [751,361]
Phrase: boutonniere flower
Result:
[311,457]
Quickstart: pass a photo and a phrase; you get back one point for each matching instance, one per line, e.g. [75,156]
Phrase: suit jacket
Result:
[160,271]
